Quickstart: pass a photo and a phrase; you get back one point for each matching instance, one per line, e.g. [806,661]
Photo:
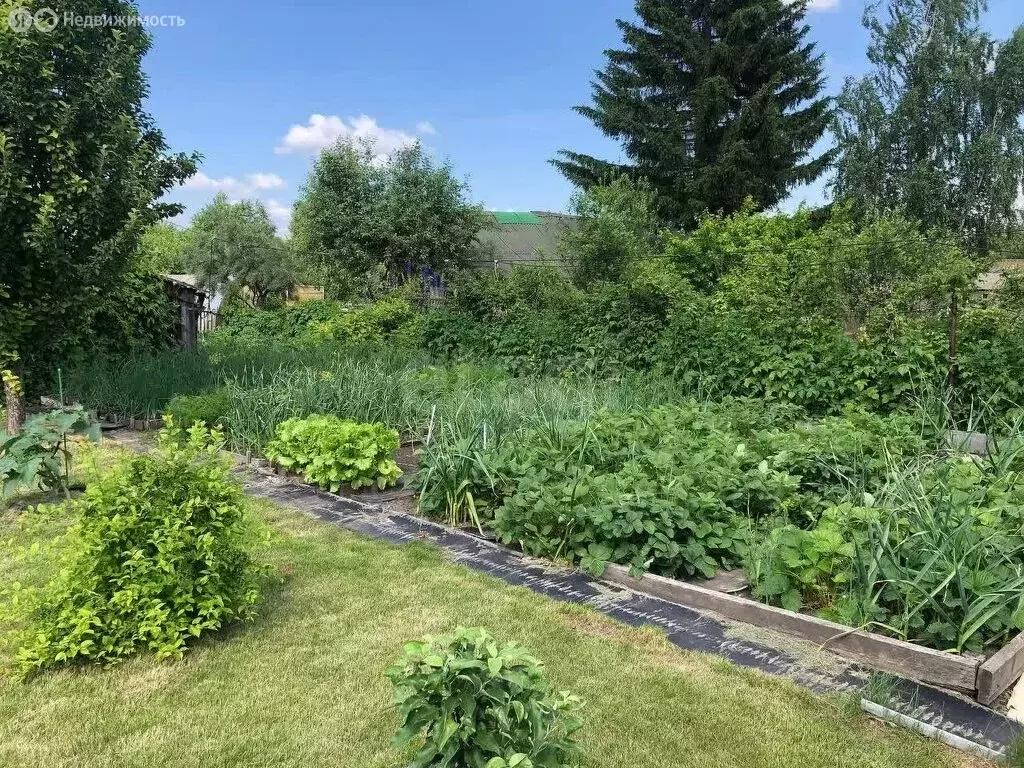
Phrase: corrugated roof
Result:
[522,241]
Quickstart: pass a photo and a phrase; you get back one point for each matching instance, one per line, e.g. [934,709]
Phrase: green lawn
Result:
[302,686]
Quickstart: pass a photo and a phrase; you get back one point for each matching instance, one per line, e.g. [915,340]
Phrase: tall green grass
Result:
[446,404]
[141,385]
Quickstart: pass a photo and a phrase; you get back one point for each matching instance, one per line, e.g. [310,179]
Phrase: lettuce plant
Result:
[332,452]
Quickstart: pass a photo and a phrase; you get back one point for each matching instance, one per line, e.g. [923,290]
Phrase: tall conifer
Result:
[713,101]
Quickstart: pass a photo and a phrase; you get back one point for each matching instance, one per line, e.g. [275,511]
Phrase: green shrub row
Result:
[534,322]
[319,322]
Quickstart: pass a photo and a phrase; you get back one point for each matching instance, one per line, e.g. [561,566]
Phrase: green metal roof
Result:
[516,217]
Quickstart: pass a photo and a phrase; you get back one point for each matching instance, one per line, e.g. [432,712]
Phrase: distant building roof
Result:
[186,279]
[524,236]
[991,281]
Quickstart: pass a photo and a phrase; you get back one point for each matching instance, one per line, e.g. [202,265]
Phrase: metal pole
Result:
[953,377]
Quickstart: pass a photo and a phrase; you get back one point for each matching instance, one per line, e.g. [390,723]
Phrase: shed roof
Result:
[524,236]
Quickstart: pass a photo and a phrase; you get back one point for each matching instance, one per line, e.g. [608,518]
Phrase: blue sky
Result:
[257,87]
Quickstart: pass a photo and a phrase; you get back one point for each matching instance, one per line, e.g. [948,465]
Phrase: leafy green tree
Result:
[135,315]
[163,247]
[934,130]
[790,268]
[357,211]
[332,229]
[236,245]
[618,226]
[713,102]
[81,168]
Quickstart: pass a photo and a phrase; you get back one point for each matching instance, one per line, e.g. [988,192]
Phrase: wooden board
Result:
[1001,671]
[912,661]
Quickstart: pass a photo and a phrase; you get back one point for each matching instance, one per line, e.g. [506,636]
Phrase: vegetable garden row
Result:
[865,517]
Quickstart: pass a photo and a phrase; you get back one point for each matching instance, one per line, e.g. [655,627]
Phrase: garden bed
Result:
[984,680]
[691,488]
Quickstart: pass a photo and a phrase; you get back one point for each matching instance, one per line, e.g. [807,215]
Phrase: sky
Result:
[258,88]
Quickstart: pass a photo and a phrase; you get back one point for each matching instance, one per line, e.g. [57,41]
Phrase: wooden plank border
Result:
[1001,671]
[913,661]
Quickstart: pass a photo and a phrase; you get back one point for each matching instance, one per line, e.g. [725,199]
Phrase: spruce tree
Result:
[713,101]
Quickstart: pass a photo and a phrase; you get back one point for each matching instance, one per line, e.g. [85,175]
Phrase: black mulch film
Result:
[686,628]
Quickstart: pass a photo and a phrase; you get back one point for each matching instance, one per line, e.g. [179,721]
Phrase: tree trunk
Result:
[14,400]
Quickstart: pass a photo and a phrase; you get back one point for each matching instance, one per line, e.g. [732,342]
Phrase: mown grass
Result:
[302,686]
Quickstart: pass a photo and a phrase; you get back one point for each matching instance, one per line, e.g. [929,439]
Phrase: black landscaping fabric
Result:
[686,628]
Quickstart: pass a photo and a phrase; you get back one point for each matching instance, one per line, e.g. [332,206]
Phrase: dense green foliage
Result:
[618,227]
[209,409]
[709,347]
[158,553]
[712,103]
[162,249]
[572,420]
[673,489]
[551,464]
[356,212]
[332,452]
[481,704]
[934,556]
[934,129]
[792,308]
[661,491]
[81,168]
[312,323]
[38,455]
[134,315]
[234,245]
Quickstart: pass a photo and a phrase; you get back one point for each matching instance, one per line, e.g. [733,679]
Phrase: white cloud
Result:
[232,187]
[325,130]
[426,128]
[281,215]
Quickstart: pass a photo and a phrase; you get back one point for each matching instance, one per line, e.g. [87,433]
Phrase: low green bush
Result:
[319,322]
[159,553]
[210,408]
[332,452]
[481,705]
